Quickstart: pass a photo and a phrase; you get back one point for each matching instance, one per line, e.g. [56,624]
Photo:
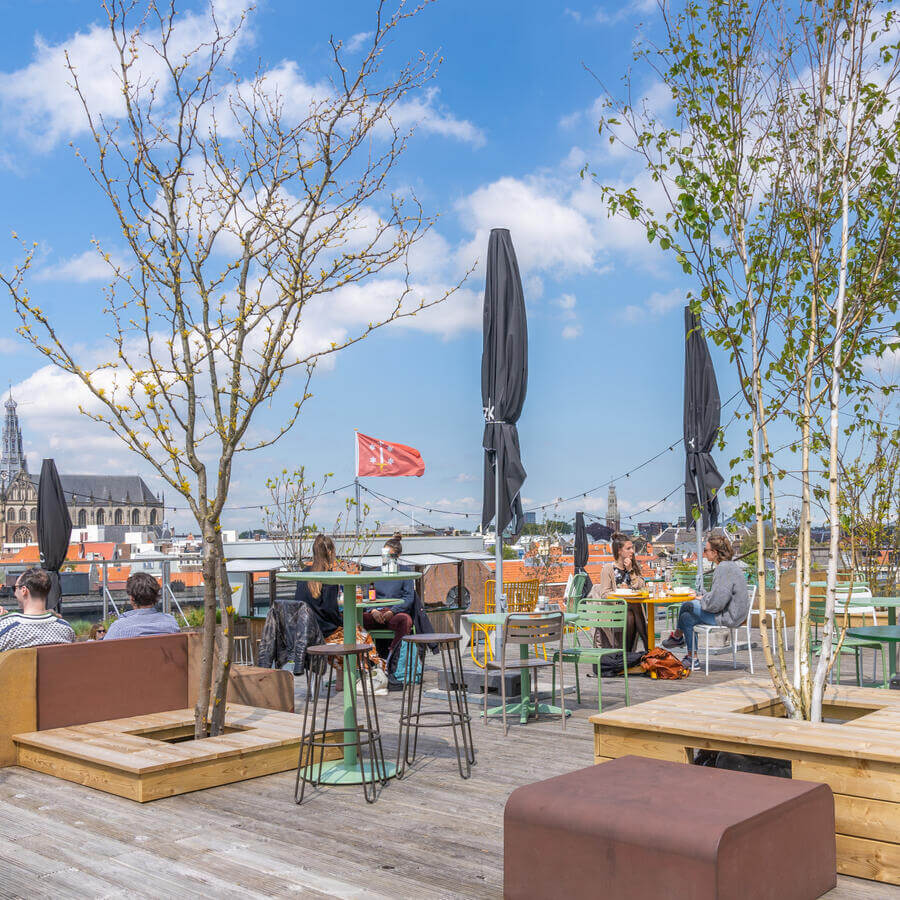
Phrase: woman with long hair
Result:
[726,603]
[623,572]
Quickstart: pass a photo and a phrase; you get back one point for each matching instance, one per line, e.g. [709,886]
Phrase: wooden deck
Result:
[430,835]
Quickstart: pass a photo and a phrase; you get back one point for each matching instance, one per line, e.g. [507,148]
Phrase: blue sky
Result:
[504,131]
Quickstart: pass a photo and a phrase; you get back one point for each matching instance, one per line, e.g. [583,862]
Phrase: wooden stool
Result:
[243,652]
[323,658]
[456,716]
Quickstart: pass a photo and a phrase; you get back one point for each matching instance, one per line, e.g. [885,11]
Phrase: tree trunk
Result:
[208,641]
[826,657]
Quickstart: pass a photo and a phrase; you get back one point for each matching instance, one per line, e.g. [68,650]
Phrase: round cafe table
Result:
[523,707]
[346,770]
[884,634]
[650,604]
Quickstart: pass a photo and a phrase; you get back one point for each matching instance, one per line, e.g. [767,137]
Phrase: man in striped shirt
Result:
[34,625]
[143,618]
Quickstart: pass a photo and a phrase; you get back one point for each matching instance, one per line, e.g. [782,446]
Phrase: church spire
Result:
[612,509]
[12,459]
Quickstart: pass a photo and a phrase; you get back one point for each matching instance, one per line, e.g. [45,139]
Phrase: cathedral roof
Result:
[125,489]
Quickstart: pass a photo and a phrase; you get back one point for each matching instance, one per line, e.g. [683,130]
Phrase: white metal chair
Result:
[706,630]
[770,615]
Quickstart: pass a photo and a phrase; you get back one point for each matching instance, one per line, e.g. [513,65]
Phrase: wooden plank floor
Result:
[431,835]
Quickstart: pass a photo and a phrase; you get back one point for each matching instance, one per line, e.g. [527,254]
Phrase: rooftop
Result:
[430,835]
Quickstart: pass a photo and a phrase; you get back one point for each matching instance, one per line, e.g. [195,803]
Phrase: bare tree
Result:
[288,518]
[240,216]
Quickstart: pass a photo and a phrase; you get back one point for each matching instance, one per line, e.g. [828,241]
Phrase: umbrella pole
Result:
[498,543]
[699,526]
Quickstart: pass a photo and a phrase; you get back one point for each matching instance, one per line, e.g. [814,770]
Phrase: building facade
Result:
[92,499]
[612,509]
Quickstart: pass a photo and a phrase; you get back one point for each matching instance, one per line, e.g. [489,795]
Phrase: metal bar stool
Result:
[243,652]
[367,736]
[455,717]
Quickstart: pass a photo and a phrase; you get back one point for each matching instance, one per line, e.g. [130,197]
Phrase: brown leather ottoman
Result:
[640,828]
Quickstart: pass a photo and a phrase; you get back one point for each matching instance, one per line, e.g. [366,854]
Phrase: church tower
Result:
[612,509]
[12,459]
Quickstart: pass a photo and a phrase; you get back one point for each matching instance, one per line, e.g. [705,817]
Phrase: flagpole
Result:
[356,485]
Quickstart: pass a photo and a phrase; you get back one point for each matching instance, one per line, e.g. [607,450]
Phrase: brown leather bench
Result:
[635,828]
[92,681]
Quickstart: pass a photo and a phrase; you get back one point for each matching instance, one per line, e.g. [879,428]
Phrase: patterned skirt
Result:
[362,637]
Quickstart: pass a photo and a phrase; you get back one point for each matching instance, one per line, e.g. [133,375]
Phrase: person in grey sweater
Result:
[726,603]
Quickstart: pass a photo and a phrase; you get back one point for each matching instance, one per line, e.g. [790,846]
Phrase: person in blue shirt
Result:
[398,617]
[143,618]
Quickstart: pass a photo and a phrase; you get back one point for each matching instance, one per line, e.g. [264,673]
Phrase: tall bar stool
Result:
[456,716]
[243,651]
[362,737]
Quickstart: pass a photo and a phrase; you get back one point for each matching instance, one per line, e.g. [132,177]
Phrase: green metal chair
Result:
[596,613]
[574,590]
[850,645]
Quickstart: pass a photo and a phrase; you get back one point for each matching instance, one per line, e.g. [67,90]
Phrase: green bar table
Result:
[346,770]
[521,706]
[890,604]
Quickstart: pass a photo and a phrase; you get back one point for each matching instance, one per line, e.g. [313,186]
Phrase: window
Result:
[23,515]
[82,518]
[101,519]
[119,519]
[135,517]
[34,514]
[152,516]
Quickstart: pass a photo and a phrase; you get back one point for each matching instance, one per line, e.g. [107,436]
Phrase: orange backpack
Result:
[659,663]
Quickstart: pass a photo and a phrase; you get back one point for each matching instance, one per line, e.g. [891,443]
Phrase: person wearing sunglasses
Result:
[34,624]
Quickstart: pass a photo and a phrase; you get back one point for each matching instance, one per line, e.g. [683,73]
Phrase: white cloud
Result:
[657,304]
[357,41]
[465,477]
[571,331]
[39,102]
[566,303]
[546,231]
[9,345]
[87,266]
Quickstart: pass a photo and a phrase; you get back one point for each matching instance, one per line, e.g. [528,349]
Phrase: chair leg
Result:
[484,694]
[733,647]
[858,667]
[577,683]
[503,693]
[625,668]
[562,690]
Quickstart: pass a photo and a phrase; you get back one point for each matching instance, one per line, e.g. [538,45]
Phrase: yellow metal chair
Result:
[521,597]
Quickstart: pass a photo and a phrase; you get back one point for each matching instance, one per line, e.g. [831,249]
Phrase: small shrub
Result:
[81,627]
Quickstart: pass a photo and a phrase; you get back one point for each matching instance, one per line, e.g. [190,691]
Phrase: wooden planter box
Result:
[856,752]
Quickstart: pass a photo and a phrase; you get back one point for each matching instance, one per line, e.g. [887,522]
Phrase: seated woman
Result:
[726,603]
[313,617]
[399,616]
[323,600]
[625,572]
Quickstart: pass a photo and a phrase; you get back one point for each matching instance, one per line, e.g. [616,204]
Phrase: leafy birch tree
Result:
[240,215]
[779,182]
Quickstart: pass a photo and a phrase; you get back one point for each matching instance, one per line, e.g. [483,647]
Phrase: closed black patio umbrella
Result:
[54,528]
[504,381]
[702,408]
[580,555]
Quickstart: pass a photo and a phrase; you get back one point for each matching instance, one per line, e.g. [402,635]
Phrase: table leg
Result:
[892,660]
[349,673]
[524,707]
[651,625]
[346,770]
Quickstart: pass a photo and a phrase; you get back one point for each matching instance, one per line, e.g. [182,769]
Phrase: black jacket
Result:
[289,629]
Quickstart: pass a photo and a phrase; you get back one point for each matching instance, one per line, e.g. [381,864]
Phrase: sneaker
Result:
[394,685]
[671,642]
[691,663]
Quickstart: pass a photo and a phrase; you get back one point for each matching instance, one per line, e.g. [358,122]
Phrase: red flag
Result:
[377,457]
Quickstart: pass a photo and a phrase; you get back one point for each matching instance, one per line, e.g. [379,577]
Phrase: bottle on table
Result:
[385,559]
[359,593]
[372,597]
